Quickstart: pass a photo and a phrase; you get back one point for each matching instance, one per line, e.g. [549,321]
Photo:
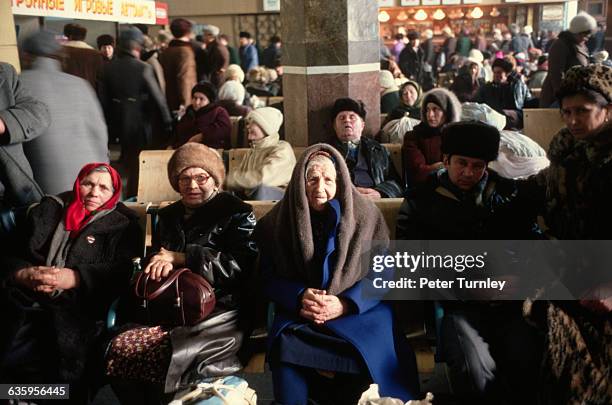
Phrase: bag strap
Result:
[151,296]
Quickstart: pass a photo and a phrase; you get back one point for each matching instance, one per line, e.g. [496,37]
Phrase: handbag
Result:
[229,390]
[182,299]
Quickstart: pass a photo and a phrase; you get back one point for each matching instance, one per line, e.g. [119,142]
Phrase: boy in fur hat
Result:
[491,352]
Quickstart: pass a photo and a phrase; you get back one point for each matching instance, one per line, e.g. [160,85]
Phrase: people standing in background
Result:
[234,57]
[598,39]
[450,42]
[77,134]
[398,45]
[106,46]
[248,52]
[217,56]
[412,58]
[80,58]
[272,54]
[179,64]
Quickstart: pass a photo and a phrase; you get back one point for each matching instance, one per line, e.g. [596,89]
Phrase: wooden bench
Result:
[153,184]
[541,124]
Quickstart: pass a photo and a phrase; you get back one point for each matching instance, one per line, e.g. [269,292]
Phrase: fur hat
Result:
[472,139]
[234,72]
[504,64]
[75,32]
[412,35]
[105,39]
[42,43]
[195,155]
[348,104]
[232,90]
[269,119]
[207,89]
[583,22]
[129,35]
[245,34]
[596,77]
[211,29]
[444,99]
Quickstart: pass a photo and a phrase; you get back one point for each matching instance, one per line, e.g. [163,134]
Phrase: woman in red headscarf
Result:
[75,260]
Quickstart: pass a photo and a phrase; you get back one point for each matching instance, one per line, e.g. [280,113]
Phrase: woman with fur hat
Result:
[209,232]
[421,154]
[568,50]
[266,168]
[204,121]
[574,197]
[322,344]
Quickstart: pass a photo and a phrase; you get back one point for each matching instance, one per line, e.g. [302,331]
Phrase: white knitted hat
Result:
[232,90]
[269,119]
[582,22]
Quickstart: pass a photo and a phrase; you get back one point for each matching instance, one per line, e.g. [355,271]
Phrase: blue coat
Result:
[249,58]
[390,361]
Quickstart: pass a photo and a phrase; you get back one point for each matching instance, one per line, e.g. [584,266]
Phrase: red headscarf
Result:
[76,214]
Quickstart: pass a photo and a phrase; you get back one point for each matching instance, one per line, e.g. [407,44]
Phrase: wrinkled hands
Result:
[47,279]
[319,307]
[369,193]
[163,263]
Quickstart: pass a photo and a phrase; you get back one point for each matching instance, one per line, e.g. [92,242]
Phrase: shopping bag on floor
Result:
[230,390]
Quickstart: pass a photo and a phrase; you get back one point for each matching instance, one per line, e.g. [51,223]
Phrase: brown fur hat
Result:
[195,155]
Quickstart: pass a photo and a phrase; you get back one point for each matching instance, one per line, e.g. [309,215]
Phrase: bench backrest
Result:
[541,124]
[153,184]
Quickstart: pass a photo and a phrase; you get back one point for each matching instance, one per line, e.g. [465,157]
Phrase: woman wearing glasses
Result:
[209,232]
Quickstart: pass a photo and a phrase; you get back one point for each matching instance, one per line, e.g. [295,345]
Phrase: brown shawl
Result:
[285,233]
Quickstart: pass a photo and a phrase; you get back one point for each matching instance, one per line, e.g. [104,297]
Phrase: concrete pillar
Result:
[8,39]
[330,50]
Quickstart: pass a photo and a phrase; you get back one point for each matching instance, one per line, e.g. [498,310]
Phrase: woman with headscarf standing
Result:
[575,193]
[421,153]
[76,260]
[326,339]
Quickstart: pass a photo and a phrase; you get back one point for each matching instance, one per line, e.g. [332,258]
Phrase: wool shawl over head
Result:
[285,233]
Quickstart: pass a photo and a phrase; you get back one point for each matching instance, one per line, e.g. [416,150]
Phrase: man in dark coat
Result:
[412,57]
[370,166]
[490,350]
[216,57]
[22,118]
[129,96]
[272,54]
[80,58]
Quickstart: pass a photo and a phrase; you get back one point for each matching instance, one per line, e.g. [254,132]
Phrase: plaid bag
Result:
[140,354]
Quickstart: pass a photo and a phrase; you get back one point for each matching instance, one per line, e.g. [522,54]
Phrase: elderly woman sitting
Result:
[209,232]
[75,260]
[266,169]
[327,339]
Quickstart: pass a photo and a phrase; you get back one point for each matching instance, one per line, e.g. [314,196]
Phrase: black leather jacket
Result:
[216,241]
[386,179]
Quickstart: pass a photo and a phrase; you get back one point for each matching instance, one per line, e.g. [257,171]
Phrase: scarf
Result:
[77,217]
[423,130]
[285,234]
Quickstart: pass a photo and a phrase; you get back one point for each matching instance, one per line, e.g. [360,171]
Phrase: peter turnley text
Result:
[423,282]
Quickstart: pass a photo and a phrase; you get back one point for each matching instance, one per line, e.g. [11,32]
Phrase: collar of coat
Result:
[266,142]
[596,150]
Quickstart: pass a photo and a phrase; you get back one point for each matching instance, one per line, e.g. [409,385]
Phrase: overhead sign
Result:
[161,13]
[123,11]
[271,5]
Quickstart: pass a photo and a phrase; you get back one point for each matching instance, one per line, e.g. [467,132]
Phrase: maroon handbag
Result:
[182,299]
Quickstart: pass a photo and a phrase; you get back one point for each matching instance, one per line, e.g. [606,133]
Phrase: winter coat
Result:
[438,210]
[152,58]
[464,44]
[77,134]
[233,109]
[269,162]
[249,58]
[521,43]
[380,167]
[83,61]
[130,96]
[389,101]
[25,118]
[217,244]
[178,61]
[411,63]
[421,147]
[508,96]
[215,62]
[271,56]
[101,254]
[449,47]
[564,53]
[536,80]
[212,121]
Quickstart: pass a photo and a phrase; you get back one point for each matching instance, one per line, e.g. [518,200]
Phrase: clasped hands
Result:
[47,279]
[319,307]
[163,263]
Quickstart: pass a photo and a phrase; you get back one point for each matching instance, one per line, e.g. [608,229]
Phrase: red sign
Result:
[161,13]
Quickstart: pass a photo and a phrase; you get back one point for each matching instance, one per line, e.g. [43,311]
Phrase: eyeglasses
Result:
[201,179]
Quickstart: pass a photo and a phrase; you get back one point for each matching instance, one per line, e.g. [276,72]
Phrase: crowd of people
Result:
[70,258]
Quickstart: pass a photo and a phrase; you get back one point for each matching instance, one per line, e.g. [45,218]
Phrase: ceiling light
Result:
[439,15]
[383,16]
[420,15]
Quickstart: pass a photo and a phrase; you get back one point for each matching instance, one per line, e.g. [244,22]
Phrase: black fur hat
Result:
[472,139]
[348,104]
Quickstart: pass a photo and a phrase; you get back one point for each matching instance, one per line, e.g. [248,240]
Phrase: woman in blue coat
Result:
[327,342]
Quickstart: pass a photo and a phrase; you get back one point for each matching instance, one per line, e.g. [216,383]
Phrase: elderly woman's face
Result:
[320,184]
[348,126]
[254,132]
[582,117]
[434,115]
[96,189]
[409,95]
[196,186]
